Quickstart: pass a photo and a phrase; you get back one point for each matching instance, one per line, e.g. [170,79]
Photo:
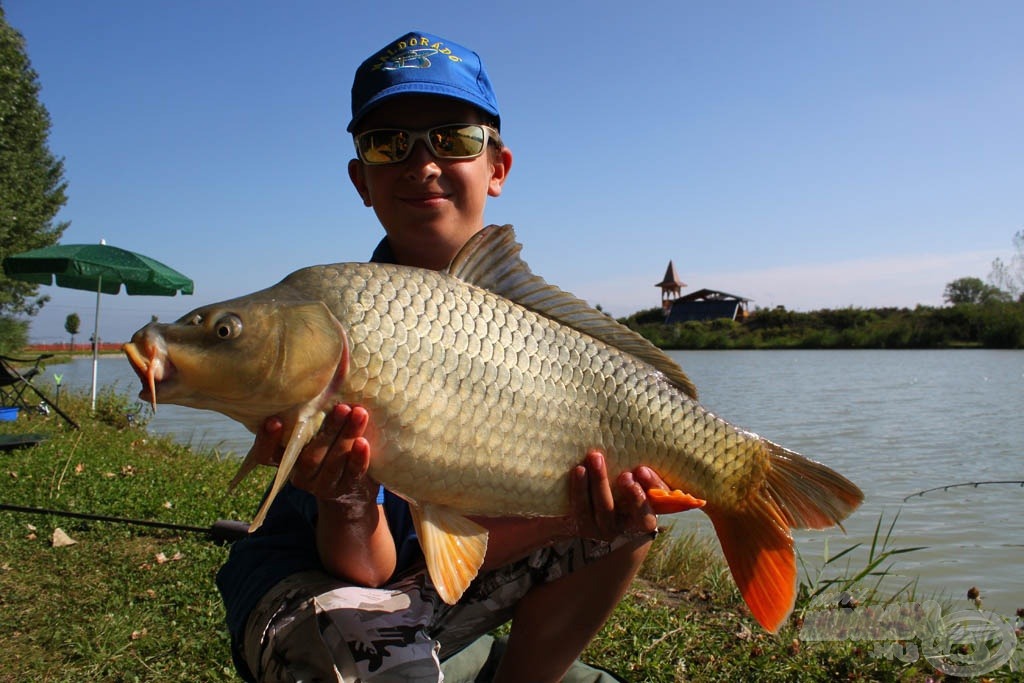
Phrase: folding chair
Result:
[14,383]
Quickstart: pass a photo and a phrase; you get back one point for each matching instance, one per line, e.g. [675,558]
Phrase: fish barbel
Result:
[485,386]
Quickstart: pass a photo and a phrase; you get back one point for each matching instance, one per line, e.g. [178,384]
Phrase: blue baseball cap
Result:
[422,63]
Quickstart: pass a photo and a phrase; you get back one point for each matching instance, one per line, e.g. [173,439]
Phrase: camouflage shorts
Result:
[312,627]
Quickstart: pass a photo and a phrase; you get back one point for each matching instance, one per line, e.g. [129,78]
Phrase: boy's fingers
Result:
[601,499]
[266,448]
[355,423]
[358,459]
[579,496]
[630,496]
[334,424]
[342,471]
[649,479]
[344,424]
[632,506]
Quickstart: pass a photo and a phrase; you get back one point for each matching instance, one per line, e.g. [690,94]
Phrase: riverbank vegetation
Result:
[132,603]
[993,324]
[980,314]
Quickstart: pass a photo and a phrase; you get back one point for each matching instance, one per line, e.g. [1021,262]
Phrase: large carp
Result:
[485,385]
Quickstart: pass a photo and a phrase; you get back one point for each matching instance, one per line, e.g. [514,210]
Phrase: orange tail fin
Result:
[760,555]
[797,493]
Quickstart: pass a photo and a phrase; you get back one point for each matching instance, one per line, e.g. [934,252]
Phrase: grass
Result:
[132,603]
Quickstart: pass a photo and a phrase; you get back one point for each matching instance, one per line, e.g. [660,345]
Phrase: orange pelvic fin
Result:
[666,502]
[453,546]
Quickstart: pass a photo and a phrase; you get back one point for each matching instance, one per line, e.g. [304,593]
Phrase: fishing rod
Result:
[222,531]
[975,484]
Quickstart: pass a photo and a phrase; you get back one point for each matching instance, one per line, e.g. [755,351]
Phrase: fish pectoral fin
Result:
[453,546]
[759,550]
[666,502]
[247,466]
[301,434]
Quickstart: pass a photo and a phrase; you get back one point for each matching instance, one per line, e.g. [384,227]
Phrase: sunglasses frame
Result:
[490,134]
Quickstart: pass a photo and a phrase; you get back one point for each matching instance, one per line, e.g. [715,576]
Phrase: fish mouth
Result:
[151,365]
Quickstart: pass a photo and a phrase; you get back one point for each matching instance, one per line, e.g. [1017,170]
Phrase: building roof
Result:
[671,278]
[711,295]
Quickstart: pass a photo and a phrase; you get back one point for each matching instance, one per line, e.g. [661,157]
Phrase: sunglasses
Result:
[451,141]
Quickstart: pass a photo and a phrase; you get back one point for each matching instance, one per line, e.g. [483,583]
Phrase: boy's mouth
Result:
[425,199]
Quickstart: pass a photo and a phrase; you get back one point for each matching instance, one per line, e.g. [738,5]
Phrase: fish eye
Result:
[228,326]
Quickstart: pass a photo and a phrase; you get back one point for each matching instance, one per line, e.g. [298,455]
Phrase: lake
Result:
[895,422]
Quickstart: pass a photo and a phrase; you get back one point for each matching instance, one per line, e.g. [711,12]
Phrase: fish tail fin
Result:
[756,540]
[809,495]
[453,547]
[759,550]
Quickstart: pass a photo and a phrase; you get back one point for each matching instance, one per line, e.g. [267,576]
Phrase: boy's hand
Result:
[333,464]
[602,511]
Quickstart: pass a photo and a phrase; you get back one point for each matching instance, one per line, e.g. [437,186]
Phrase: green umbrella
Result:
[96,268]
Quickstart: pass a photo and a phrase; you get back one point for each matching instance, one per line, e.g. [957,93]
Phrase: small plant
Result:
[121,411]
[880,553]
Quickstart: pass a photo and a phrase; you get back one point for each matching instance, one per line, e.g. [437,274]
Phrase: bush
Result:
[995,324]
[13,335]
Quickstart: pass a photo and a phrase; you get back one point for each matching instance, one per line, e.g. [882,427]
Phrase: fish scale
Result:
[485,387]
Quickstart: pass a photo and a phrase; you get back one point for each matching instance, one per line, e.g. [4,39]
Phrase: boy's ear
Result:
[499,171]
[355,174]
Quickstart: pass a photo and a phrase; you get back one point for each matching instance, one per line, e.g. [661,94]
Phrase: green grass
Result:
[131,603]
[107,608]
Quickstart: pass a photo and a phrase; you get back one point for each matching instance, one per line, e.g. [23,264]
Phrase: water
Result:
[200,429]
[895,422]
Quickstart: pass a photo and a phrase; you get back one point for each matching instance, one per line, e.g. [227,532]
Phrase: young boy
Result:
[332,586]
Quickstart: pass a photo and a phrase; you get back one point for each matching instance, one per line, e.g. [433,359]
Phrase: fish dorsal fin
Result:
[490,259]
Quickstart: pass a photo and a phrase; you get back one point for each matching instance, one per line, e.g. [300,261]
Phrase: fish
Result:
[485,385]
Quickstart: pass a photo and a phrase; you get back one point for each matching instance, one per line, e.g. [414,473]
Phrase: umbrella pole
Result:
[96,341]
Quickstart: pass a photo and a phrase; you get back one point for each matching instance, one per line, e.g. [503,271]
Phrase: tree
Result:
[32,185]
[71,326]
[971,290]
[1009,277]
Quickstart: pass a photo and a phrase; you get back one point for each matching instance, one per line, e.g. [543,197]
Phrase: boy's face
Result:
[429,207]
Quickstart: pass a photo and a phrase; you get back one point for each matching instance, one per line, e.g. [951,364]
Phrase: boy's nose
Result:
[421,161]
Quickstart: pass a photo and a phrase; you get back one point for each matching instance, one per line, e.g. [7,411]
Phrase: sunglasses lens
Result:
[388,146]
[383,146]
[457,141]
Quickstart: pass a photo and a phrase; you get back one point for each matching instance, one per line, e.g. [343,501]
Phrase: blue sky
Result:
[804,154]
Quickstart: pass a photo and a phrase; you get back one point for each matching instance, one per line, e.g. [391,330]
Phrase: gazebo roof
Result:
[671,278]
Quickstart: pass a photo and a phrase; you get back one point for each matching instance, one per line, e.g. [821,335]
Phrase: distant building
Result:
[671,286]
[707,304]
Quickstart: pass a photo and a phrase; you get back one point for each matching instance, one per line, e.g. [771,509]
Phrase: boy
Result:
[332,586]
